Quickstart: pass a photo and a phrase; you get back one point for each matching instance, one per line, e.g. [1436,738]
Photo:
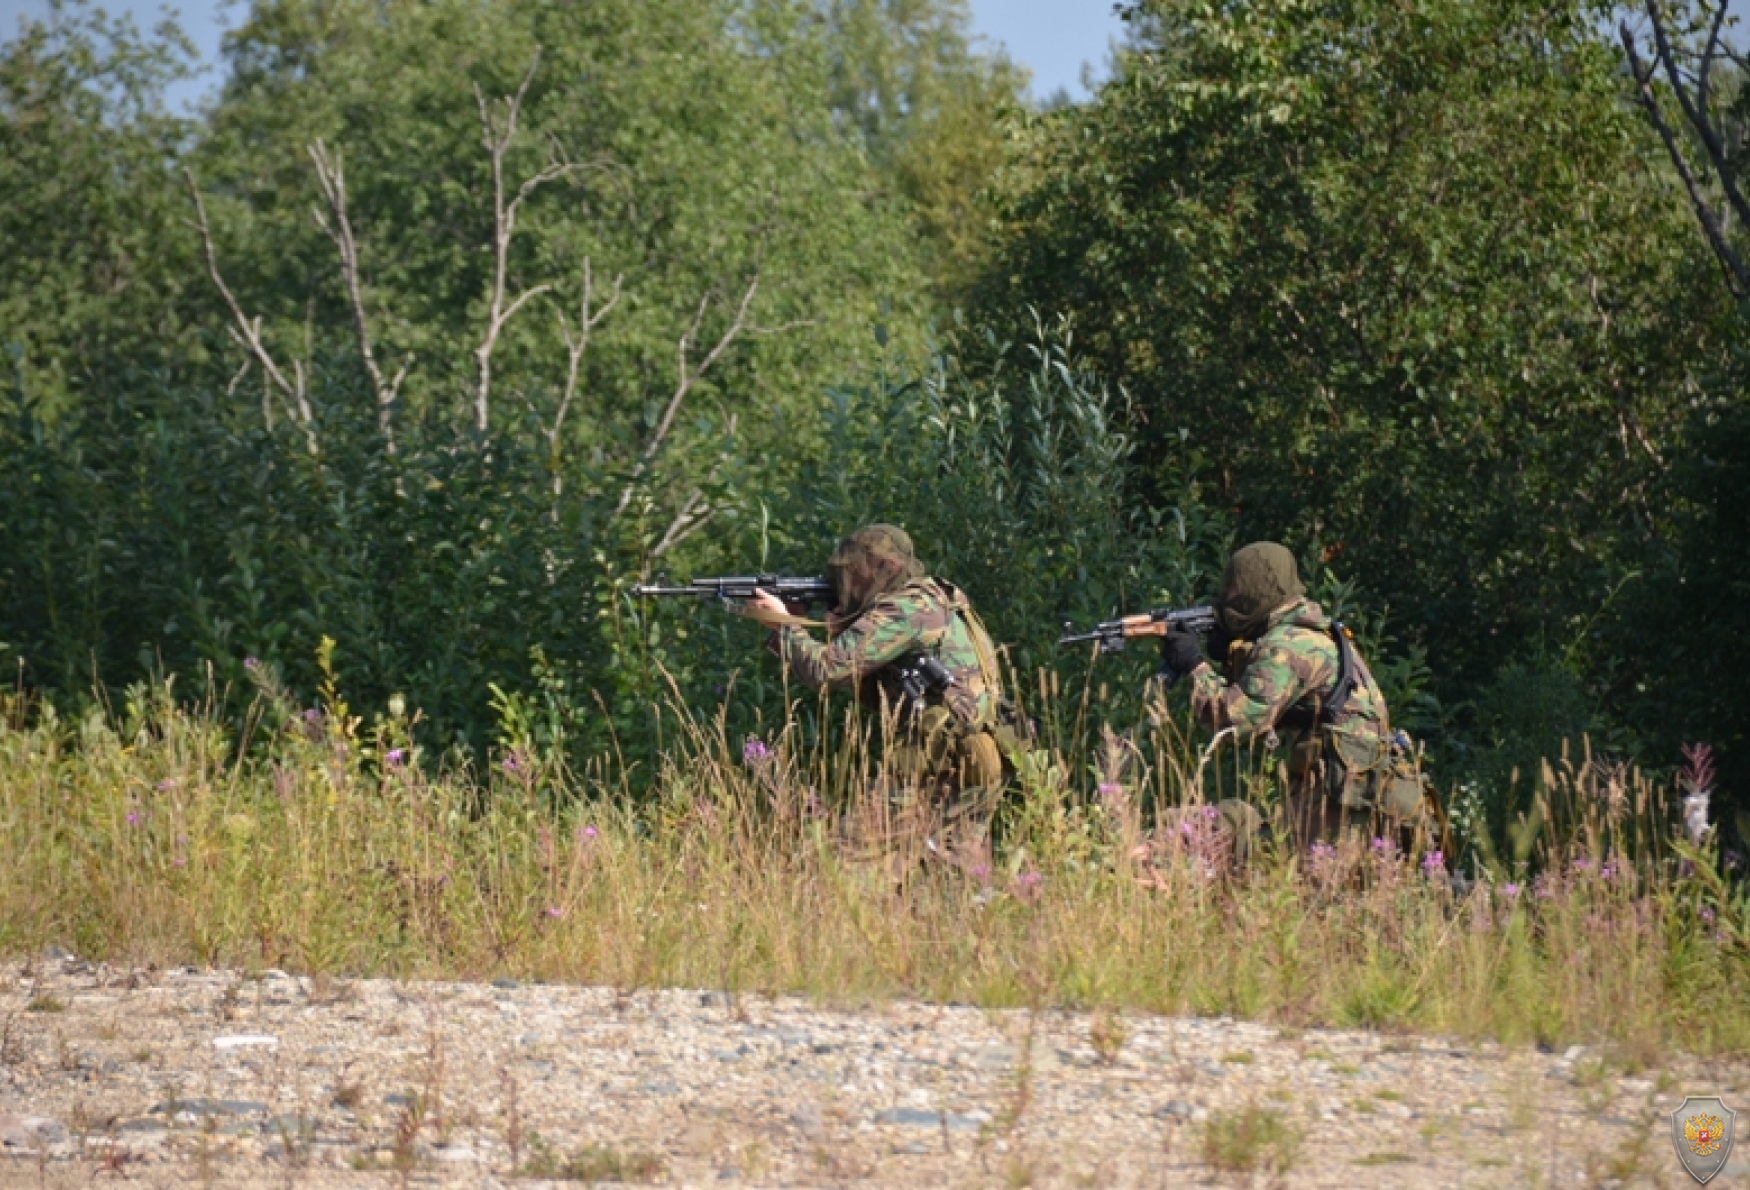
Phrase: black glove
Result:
[1180,650]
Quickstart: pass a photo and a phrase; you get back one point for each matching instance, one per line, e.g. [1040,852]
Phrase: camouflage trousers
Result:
[931,804]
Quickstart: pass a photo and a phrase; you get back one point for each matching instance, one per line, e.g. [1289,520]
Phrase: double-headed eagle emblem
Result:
[1703,1133]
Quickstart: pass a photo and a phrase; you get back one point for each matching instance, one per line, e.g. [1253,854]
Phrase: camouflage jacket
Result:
[1292,665]
[920,617]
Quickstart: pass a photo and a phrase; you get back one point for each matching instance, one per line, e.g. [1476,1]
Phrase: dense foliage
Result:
[444,322]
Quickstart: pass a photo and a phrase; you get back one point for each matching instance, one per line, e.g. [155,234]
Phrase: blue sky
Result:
[1052,38]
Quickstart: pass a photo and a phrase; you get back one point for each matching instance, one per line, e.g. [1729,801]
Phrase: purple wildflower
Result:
[1110,789]
[1607,871]
[555,911]
[1433,863]
[586,834]
[167,784]
[509,764]
[251,664]
[1210,813]
[1509,890]
[1379,845]
[1698,769]
[980,872]
[133,818]
[755,751]
[395,756]
[1707,913]
[1582,864]
[312,715]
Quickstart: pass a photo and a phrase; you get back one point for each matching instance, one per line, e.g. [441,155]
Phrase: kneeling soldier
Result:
[1292,669]
[902,641]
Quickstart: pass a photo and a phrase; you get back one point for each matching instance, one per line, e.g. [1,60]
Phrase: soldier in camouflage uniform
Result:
[1287,661]
[945,759]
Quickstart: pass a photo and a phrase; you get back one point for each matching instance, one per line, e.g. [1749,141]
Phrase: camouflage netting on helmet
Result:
[870,563]
[1260,578]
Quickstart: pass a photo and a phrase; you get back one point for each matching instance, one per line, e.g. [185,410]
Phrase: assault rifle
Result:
[1114,634]
[791,590]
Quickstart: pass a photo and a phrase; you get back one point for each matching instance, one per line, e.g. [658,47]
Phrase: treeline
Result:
[444,322]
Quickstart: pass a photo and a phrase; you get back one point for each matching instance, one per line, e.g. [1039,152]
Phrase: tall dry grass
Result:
[153,833]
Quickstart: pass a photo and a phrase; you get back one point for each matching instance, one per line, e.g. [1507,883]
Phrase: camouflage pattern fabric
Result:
[1292,664]
[920,617]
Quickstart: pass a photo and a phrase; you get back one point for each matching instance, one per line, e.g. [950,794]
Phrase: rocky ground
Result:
[190,1077]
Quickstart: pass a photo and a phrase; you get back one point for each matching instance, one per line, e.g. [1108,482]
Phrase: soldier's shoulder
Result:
[1297,640]
[915,598]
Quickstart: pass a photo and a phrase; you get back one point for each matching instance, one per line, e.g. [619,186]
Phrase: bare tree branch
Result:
[1737,275]
[331,176]
[497,138]
[575,345]
[689,520]
[1699,117]
[686,379]
[247,333]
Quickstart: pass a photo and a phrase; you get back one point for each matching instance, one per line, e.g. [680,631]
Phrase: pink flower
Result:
[1509,890]
[555,911]
[133,818]
[755,751]
[1433,863]
[586,834]
[394,757]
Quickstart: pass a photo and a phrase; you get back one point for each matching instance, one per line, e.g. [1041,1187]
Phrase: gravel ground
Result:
[190,1077]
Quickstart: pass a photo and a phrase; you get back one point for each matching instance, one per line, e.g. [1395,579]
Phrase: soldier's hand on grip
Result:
[1181,652]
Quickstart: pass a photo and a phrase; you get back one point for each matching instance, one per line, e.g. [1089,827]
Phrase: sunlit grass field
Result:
[154,833]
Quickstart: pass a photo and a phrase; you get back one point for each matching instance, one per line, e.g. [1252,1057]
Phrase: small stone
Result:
[21,1132]
[660,1089]
[994,1057]
[509,985]
[454,1153]
[1573,1053]
[809,1121]
[197,1108]
[909,1117]
[239,1041]
[1175,1109]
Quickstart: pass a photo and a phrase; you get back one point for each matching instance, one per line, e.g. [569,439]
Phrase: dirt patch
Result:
[193,1077]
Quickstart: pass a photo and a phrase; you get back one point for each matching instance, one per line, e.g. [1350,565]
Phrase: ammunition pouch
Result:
[1385,777]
